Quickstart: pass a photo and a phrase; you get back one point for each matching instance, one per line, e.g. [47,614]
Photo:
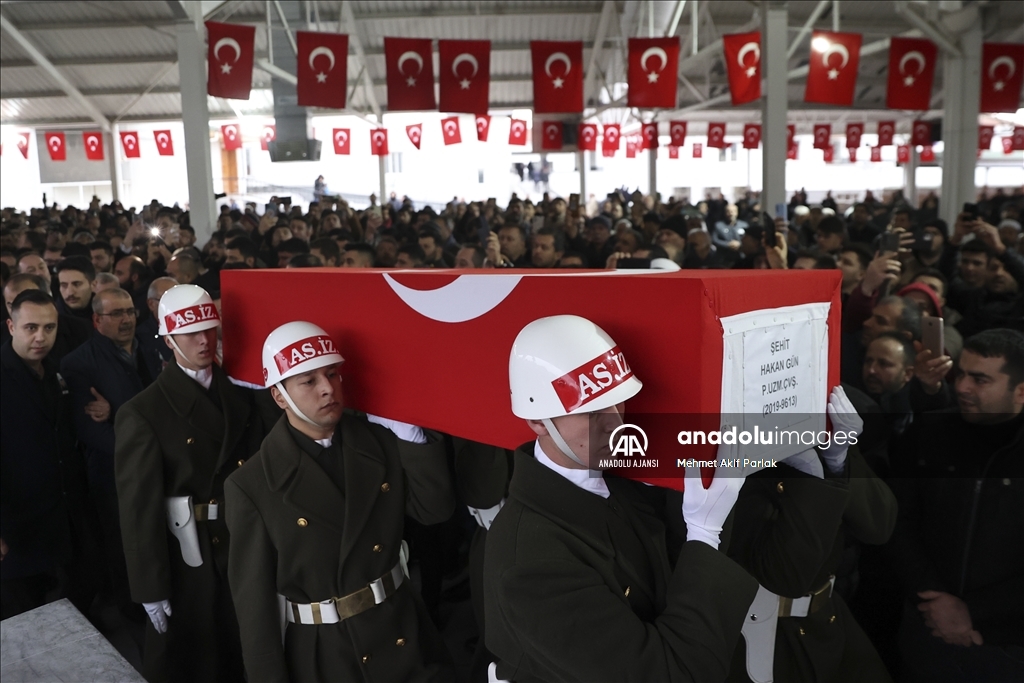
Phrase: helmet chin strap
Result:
[560,442]
[295,408]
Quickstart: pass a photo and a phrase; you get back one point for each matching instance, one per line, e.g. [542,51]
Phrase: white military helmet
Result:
[185,309]
[295,348]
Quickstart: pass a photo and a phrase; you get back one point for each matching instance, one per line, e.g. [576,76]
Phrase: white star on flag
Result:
[998,85]
[652,77]
[909,80]
[225,68]
[410,81]
[321,78]
[464,84]
[833,74]
[751,71]
[558,82]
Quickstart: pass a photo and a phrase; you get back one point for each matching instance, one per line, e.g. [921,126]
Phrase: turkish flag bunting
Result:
[716,135]
[1018,138]
[921,133]
[790,134]
[607,152]
[610,140]
[552,138]
[832,74]
[23,140]
[649,136]
[322,69]
[1002,73]
[927,154]
[379,142]
[852,151]
[450,130]
[829,154]
[743,58]
[342,140]
[229,60]
[55,143]
[673,152]
[164,142]
[822,134]
[1008,145]
[483,127]
[751,136]
[517,132]
[885,132]
[557,76]
[911,73]
[876,154]
[410,71]
[792,150]
[587,138]
[130,144]
[465,75]
[653,71]
[902,154]
[415,133]
[267,135]
[698,150]
[985,137]
[231,136]
[854,131]
[631,147]
[93,140]
[677,130]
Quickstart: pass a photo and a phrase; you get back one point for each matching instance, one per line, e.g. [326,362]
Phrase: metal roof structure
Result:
[122,56]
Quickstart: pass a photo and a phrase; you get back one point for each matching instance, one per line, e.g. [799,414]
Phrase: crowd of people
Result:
[136,474]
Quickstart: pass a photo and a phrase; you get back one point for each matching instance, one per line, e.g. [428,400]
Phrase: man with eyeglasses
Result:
[102,374]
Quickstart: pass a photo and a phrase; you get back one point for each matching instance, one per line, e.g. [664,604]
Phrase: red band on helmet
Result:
[592,379]
[302,351]
[199,313]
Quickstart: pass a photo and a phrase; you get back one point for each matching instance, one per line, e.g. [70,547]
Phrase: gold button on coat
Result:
[385,487]
[803,632]
[241,462]
[832,619]
[190,441]
[366,659]
[213,501]
[627,591]
[377,548]
[779,487]
[215,540]
[302,521]
[400,642]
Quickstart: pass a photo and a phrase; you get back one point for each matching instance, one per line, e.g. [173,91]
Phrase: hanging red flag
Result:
[921,133]
[832,74]
[93,140]
[653,71]
[410,74]
[164,143]
[911,73]
[822,135]
[465,75]
[607,152]
[829,153]
[55,144]
[886,129]
[1008,145]
[649,136]
[902,154]
[927,154]
[517,132]
[698,150]
[552,135]
[743,58]
[415,133]
[1018,138]
[483,127]
[130,144]
[557,76]
[1002,73]
[677,130]
[267,135]
[587,138]
[610,140]
[985,137]
[716,135]
[379,142]
[342,140]
[231,136]
[322,69]
[23,140]
[673,152]
[792,151]
[751,135]
[854,131]
[852,151]
[790,133]
[876,154]
[229,60]
[630,147]
[450,130]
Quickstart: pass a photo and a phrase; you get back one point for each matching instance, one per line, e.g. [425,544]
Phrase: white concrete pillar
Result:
[774,104]
[195,118]
[961,97]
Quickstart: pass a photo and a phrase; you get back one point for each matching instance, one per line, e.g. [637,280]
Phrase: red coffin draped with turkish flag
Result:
[716,135]
[164,142]
[517,132]
[557,76]
[1002,74]
[751,136]
[379,142]
[911,73]
[231,135]
[130,144]
[410,74]
[677,131]
[854,131]
[611,137]
[483,127]
[465,75]
[23,142]
[450,130]
[832,74]
[743,59]
[921,133]
[682,321]
[342,138]
[653,71]
[886,129]
[229,60]
[322,69]
[93,142]
[587,138]
[267,135]
[415,133]
[551,135]
[822,135]
[985,134]
[649,136]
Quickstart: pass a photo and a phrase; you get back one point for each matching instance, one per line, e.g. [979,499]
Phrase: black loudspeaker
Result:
[936,131]
[294,150]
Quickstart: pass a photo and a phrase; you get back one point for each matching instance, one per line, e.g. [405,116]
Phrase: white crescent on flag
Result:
[53,141]
[588,133]
[481,123]
[885,128]
[836,49]
[92,141]
[612,134]
[129,141]
[415,56]
[465,57]
[744,51]
[340,137]
[326,51]
[231,132]
[998,61]
[269,133]
[162,139]
[465,298]
[676,130]
[551,130]
[518,128]
[450,127]
[557,57]
[377,137]
[654,52]
[229,42]
[912,56]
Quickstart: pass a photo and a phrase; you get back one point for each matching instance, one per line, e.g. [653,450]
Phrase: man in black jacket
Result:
[71,332]
[957,546]
[154,352]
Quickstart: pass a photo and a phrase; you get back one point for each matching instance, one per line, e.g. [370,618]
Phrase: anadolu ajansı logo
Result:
[628,440]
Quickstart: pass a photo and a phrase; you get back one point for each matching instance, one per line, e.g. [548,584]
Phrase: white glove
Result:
[405,432]
[158,613]
[807,462]
[705,509]
[844,419]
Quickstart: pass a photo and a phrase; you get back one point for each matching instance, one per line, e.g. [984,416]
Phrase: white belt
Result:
[485,516]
